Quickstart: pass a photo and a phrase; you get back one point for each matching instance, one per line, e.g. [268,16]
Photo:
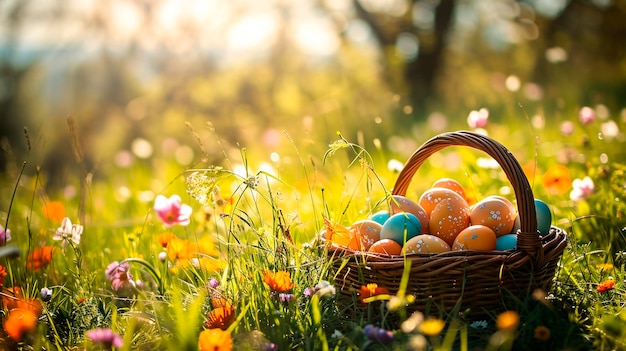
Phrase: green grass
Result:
[267,221]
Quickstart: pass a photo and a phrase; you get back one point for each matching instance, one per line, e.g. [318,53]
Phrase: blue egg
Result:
[381,216]
[506,242]
[544,217]
[395,227]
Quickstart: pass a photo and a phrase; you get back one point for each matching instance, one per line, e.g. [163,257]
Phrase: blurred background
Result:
[194,80]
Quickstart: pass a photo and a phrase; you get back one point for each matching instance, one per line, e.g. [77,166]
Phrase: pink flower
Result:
[5,235]
[119,275]
[478,119]
[582,189]
[172,211]
[567,128]
[586,115]
[105,337]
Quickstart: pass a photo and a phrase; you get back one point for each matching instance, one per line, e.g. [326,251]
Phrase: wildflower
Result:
[68,232]
[586,115]
[165,238]
[221,316]
[605,266]
[324,288]
[162,256]
[542,333]
[417,343]
[180,249]
[482,324]
[172,211]
[5,235]
[39,258]
[308,292]
[567,128]
[270,346]
[378,334]
[54,210]
[215,340]
[3,274]
[286,298]
[46,294]
[279,281]
[507,320]
[606,285]
[432,326]
[369,290]
[105,337]
[581,189]
[413,322]
[119,275]
[19,322]
[478,119]
[337,334]
[214,283]
[557,180]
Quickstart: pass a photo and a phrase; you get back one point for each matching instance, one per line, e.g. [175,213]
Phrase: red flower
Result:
[40,257]
[370,290]
[606,285]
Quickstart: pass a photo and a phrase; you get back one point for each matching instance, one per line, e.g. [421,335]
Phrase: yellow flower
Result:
[507,320]
[215,340]
[557,180]
[605,266]
[432,326]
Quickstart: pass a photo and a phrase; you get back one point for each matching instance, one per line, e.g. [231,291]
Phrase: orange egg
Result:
[387,247]
[495,214]
[475,237]
[425,244]
[433,196]
[449,218]
[451,184]
[367,232]
[399,203]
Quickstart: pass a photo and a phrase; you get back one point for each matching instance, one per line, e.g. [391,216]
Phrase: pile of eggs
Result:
[441,220]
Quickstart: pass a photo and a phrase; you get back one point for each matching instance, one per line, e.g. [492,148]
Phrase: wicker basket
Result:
[475,283]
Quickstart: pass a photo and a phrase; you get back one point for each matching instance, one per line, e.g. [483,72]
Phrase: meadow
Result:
[159,256]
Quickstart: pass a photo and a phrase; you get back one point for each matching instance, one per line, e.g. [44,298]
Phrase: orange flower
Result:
[279,281]
[542,333]
[54,210]
[222,315]
[215,340]
[179,249]
[10,296]
[507,320]
[606,285]
[370,290]
[165,238]
[557,180]
[40,257]
[3,274]
[19,322]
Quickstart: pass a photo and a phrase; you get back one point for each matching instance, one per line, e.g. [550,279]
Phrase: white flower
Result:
[582,189]
[68,232]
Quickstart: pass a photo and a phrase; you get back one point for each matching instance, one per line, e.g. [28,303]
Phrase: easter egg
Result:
[433,196]
[367,231]
[475,237]
[401,227]
[386,246]
[451,184]
[399,203]
[544,217]
[449,218]
[506,242]
[425,244]
[495,214]
[380,216]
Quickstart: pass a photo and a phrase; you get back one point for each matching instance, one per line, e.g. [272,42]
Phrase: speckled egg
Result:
[544,217]
[380,216]
[451,184]
[399,203]
[386,246]
[475,237]
[449,218]
[367,231]
[425,244]
[506,242]
[495,214]
[433,196]
[401,227]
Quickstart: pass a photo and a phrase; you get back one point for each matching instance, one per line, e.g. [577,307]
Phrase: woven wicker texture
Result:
[482,282]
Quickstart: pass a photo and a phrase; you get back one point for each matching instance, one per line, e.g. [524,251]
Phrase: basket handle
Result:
[528,239]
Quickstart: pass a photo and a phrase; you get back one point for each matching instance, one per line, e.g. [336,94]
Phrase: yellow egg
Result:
[425,244]
[449,218]
[433,196]
[495,214]
[475,237]
[367,232]
[386,246]
[400,203]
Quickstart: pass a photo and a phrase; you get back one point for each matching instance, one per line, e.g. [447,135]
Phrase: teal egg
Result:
[506,242]
[395,226]
[381,217]
[544,217]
